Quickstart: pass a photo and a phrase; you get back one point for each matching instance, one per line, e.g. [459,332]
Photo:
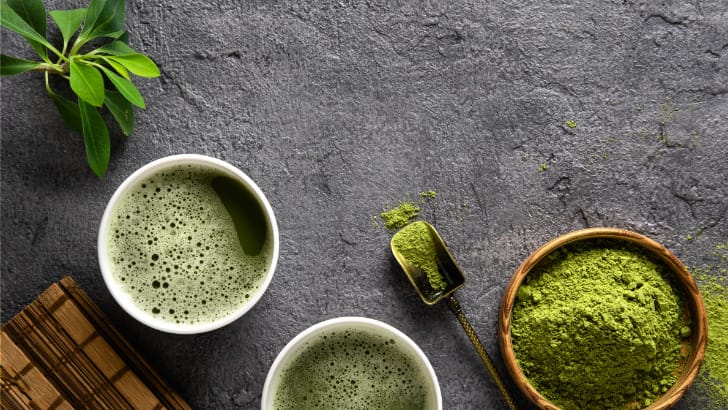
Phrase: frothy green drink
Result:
[189,244]
[354,369]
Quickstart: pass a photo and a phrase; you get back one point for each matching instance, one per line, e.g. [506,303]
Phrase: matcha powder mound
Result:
[416,244]
[400,216]
[598,326]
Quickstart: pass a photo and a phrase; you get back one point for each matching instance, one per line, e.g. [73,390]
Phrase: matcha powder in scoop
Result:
[599,326]
[416,244]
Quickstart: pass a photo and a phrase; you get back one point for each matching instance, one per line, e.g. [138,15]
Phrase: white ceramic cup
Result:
[124,299]
[296,346]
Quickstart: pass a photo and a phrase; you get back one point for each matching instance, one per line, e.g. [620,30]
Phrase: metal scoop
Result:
[432,292]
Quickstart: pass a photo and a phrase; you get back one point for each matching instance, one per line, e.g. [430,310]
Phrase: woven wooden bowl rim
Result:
[696,308]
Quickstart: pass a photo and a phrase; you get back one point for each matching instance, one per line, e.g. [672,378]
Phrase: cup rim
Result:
[266,402]
[122,297]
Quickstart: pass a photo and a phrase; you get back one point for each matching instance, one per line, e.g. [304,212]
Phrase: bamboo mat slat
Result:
[61,352]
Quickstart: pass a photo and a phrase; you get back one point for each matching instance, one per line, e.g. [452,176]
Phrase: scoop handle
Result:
[454,305]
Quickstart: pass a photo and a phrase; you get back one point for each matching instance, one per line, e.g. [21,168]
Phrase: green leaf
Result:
[113,34]
[118,67]
[95,138]
[104,17]
[11,65]
[126,88]
[116,48]
[124,38]
[138,64]
[14,22]
[87,83]
[122,111]
[69,112]
[68,21]
[95,8]
[32,12]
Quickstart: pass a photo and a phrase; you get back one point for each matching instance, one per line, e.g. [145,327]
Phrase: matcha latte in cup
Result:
[188,244]
[351,363]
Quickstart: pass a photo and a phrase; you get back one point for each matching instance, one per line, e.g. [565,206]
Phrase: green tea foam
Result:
[189,244]
[353,369]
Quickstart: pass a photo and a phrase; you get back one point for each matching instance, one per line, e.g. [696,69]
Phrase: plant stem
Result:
[76,46]
[63,52]
[47,84]
[51,68]
[94,64]
[56,52]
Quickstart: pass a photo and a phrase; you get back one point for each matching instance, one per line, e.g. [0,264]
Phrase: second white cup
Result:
[351,362]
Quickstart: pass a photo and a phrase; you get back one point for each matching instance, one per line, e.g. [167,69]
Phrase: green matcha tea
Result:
[354,369]
[189,244]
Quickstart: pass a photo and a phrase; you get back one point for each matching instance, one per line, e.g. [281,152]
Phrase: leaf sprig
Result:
[88,71]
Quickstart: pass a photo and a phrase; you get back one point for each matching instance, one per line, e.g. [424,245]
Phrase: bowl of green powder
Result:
[602,318]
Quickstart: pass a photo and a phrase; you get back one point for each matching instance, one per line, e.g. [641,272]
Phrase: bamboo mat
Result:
[61,352]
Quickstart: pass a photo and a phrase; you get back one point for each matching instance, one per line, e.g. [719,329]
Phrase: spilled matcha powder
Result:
[400,216]
[416,244]
[715,297]
[597,325]
[713,380]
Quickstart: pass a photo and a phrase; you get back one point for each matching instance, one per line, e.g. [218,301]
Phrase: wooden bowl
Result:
[695,345]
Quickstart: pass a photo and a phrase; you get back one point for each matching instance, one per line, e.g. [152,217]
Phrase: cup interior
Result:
[299,344]
[124,298]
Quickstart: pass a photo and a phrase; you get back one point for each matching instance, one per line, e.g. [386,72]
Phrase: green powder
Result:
[713,381]
[715,298]
[416,243]
[597,325]
[400,216]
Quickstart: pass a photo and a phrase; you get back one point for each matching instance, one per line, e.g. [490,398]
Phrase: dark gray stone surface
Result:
[338,109]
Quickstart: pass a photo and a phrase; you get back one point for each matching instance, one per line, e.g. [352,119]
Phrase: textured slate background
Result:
[339,109]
